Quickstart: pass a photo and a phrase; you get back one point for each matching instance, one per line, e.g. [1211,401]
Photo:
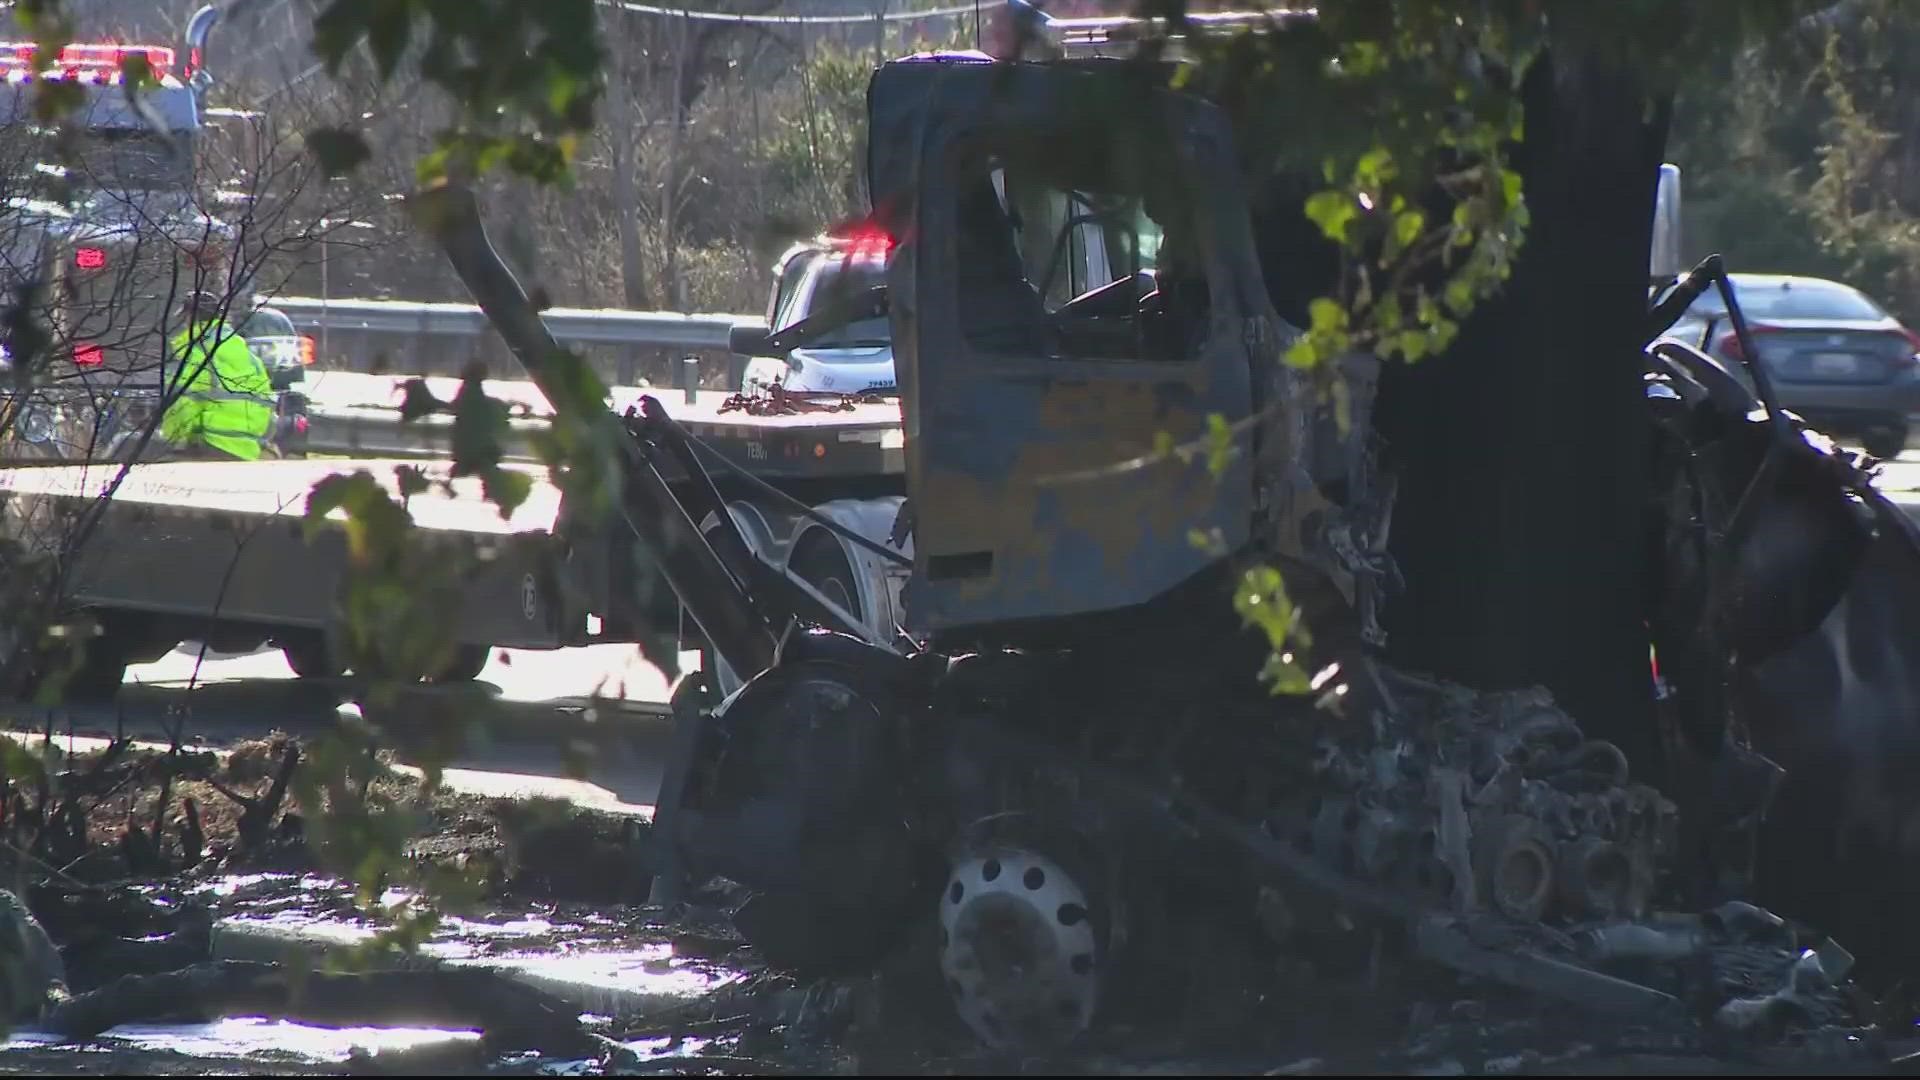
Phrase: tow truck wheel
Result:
[98,679]
[1020,950]
[310,658]
[467,664]
[821,563]
[102,668]
[1886,442]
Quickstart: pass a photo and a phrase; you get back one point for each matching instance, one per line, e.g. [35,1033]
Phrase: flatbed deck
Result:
[195,541]
[223,542]
[280,489]
[357,414]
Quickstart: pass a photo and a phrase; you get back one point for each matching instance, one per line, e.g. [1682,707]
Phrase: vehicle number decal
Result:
[529,597]
[757,451]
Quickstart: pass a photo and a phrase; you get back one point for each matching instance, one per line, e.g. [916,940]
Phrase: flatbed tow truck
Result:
[216,551]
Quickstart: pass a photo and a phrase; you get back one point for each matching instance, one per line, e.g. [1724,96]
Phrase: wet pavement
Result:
[603,700]
[614,966]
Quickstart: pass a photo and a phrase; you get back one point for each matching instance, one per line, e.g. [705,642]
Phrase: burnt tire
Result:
[803,763]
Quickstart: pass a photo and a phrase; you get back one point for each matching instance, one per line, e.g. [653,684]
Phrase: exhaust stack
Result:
[198,28]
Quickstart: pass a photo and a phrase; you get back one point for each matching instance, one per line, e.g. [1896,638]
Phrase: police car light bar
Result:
[81,62]
[1089,35]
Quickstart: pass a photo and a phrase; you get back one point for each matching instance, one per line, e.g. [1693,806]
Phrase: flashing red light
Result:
[300,424]
[864,242]
[84,59]
[87,354]
[90,258]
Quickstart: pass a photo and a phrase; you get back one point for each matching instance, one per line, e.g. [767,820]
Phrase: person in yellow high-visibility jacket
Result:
[226,403]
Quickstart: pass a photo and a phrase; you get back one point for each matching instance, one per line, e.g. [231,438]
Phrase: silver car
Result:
[1835,357]
[271,337]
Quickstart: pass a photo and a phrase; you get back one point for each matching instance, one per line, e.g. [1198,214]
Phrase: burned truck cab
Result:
[1074,302]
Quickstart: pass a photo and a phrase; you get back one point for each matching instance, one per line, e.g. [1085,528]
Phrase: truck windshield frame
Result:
[1070,263]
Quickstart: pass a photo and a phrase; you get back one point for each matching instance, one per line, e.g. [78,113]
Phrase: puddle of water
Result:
[592,958]
[526,927]
[255,1037]
[548,952]
[660,1047]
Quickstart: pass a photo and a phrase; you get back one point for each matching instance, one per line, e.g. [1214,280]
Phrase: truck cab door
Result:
[1050,354]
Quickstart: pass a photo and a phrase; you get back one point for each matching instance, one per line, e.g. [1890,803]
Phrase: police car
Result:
[854,358]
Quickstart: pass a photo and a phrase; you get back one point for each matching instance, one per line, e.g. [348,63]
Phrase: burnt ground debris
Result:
[134,923]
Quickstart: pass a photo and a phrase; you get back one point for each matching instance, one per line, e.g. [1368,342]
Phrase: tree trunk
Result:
[626,197]
[1523,451]
[670,182]
[626,202]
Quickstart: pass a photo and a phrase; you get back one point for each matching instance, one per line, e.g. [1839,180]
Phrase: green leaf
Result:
[1407,227]
[412,480]
[1510,187]
[1326,316]
[136,73]
[480,426]
[507,489]
[1284,677]
[1333,211]
[418,401]
[337,150]
[18,763]
[1220,451]
[1374,168]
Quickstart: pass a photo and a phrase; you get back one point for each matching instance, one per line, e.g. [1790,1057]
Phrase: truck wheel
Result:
[103,667]
[1022,957]
[1885,443]
[310,658]
[467,664]
[821,563]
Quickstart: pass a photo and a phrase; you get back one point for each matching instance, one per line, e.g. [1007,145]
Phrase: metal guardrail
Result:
[577,326]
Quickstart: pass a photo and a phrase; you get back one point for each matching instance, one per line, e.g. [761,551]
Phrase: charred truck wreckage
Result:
[1069,751]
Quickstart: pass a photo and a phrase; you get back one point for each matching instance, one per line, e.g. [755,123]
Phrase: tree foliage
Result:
[1803,151]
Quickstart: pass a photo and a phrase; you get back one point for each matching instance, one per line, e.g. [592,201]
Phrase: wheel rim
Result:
[825,567]
[836,590]
[1019,953]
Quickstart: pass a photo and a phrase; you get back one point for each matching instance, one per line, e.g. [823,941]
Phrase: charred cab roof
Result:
[1060,104]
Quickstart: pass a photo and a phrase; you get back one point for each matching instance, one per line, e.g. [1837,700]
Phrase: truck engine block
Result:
[1485,802]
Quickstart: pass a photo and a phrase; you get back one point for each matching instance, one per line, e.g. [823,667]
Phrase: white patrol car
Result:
[855,358]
